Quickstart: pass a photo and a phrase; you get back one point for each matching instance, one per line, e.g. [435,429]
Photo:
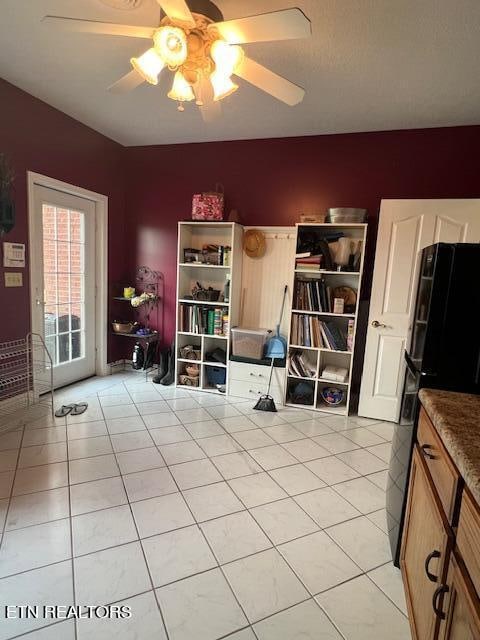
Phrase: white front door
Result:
[405,228]
[63,281]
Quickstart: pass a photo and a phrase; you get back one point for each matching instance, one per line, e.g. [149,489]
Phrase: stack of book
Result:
[309,331]
[198,319]
[299,366]
[307,261]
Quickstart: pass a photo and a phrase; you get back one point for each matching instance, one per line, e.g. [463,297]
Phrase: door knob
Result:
[378,325]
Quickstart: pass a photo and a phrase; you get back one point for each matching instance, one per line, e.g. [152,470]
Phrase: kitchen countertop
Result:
[456,417]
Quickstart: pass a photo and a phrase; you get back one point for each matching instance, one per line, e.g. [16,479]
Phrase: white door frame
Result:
[101,257]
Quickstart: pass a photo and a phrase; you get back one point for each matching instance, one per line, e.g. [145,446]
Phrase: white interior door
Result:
[405,228]
[63,281]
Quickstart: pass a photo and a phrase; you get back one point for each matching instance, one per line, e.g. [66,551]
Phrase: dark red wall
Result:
[40,138]
[272,181]
[269,181]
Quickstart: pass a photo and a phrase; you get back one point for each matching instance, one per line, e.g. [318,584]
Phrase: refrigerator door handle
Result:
[410,366]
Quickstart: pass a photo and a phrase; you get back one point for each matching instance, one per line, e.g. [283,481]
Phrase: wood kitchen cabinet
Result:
[440,556]
[426,546]
[462,617]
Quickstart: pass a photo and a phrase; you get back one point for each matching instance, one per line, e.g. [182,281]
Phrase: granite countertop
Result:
[456,417]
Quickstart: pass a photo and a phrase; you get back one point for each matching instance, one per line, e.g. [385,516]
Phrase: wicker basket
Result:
[206,295]
[188,381]
[189,352]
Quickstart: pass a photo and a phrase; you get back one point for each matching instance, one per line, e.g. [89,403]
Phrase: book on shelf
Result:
[299,366]
[350,334]
[310,331]
[313,295]
[198,319]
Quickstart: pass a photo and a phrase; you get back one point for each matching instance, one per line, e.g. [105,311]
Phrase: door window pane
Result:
[64,282]
[64,347]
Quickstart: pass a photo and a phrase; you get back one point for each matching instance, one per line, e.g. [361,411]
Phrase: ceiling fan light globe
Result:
[171,45]
[181,91]
[148,65]
[227,57]
[223,85]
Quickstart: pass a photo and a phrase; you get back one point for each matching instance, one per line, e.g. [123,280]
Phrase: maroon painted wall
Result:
[272,181]
[40,138]
[268,181]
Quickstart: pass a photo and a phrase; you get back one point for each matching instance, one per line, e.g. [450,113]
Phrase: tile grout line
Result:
[209,546]
[139,540]
[9,498]
[70,522]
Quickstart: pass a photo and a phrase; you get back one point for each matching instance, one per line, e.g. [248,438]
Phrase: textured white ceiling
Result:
[371,65]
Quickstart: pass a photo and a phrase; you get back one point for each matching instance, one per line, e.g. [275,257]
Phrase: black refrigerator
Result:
[444,354]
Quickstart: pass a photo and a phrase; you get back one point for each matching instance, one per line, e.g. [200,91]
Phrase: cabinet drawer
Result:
[442,471]
[468,537]
[253,390]
[256,373]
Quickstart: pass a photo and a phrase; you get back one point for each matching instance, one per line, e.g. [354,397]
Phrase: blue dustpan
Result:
[277,345]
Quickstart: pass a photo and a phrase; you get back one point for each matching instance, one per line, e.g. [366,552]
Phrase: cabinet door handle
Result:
[425,448]
[439,591]
[430,576]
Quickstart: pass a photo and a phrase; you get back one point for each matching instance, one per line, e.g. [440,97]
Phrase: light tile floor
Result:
[209,519]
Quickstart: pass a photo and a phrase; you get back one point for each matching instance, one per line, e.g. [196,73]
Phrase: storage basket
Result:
[189,352]
[248,343]
[216,375]
[188,381]
[208,206]
[206,295]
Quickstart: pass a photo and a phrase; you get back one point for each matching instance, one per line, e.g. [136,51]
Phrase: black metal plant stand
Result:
[146,281]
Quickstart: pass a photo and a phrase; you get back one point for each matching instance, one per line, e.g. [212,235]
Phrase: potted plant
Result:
[7,205]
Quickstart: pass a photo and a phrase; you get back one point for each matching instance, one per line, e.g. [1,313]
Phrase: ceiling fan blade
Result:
[101,28]
[127,83]
[177,10]
[278,25]
[210,110]
[270,82]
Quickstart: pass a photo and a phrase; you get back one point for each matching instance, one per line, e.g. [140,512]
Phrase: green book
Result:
[211,322]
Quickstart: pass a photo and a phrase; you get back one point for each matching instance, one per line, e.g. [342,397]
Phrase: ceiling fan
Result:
[202,50]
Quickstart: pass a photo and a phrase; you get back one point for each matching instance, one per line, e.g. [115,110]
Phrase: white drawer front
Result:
[256,373]
[253,390]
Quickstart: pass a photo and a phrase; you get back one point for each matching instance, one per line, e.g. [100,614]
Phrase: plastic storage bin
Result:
[248,343]
[216,375]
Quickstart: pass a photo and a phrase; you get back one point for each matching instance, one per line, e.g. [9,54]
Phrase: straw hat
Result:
[254,243]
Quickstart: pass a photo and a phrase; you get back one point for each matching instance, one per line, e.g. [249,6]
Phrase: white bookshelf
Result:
[195,235]
[319,357]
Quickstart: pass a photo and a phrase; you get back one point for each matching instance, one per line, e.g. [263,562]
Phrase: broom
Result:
[266,402]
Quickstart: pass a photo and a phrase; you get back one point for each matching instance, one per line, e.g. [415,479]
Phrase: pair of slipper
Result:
[72,409]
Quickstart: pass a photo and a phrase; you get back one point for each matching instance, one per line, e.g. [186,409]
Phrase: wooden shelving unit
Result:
[196,235]
[319,357]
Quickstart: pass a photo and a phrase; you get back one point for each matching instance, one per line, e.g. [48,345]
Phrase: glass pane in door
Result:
[64,282]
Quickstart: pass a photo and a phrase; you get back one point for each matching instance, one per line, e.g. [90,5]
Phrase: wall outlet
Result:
[13,279]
